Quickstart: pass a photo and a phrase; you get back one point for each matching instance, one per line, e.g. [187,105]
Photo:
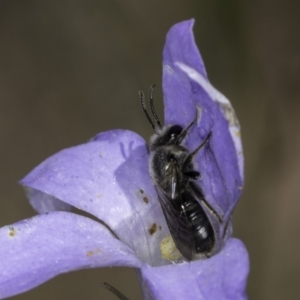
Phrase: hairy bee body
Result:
[174,176]
[200,225]
[181,198]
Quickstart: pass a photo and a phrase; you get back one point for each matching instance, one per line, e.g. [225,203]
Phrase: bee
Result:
[114,291]
[181,198]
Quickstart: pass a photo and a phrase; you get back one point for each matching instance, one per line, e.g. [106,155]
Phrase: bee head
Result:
[167,137]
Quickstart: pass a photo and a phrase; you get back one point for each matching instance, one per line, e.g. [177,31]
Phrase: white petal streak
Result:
[226,108]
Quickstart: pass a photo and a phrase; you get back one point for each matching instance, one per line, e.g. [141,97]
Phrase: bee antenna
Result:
[142,99]
[152,106]
[114,291]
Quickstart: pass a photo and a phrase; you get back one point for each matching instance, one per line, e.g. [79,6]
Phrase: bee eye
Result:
[175,131]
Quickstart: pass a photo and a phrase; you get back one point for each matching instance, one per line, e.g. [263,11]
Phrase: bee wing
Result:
[178,224]
[197,191]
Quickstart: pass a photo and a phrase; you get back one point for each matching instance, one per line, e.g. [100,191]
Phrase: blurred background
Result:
[71,69]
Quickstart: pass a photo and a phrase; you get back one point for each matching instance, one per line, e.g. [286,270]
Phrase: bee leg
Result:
[197,190]
[114,291]
[225,228]
[184,132]
[192,174]
[190,157]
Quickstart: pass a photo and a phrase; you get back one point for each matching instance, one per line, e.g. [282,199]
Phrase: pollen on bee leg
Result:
[168,249]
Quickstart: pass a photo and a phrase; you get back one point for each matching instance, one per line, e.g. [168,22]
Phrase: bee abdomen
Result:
[199,225]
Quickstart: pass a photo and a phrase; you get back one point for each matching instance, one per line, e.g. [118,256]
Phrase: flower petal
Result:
[109,178]
[222,277]
[35,250]
[220,162]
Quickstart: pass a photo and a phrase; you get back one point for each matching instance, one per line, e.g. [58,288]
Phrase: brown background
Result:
[71,69]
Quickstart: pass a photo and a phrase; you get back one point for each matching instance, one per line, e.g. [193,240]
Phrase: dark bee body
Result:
[173,174]
[182,200]
[200,225]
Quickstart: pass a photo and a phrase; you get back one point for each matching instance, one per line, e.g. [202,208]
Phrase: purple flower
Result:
[108,177]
